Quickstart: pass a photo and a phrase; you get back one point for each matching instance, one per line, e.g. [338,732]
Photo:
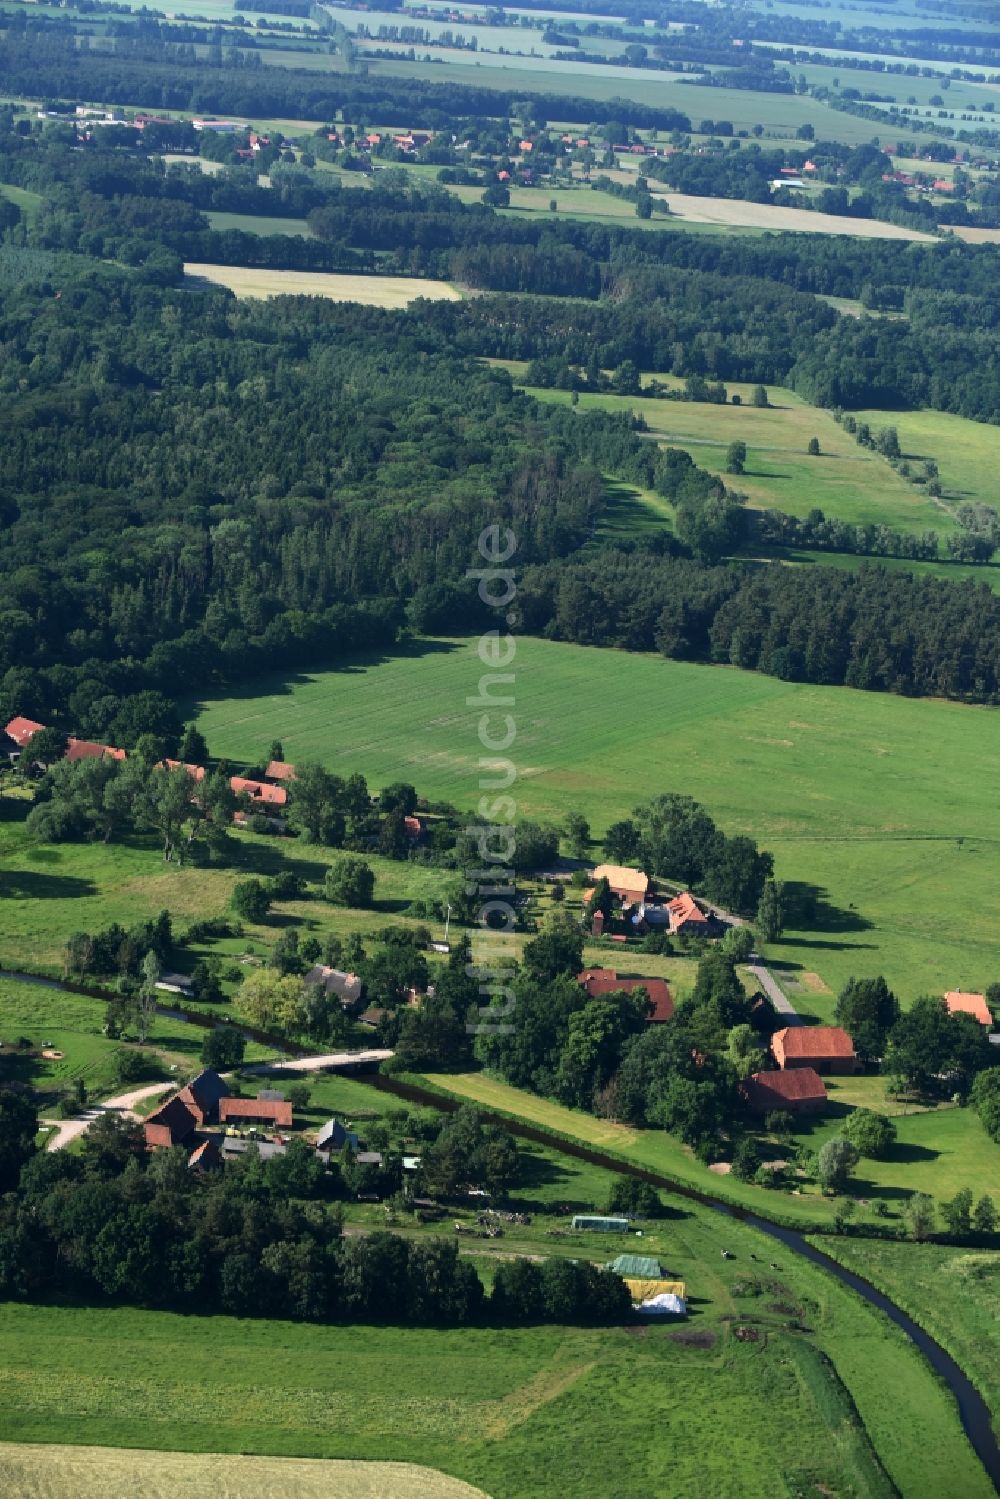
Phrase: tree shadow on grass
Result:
[267,859]
[284,683]
[33,884]
[808,909]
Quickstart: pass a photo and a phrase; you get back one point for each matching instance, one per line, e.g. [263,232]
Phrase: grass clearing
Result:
[873,805]
[372,291]
[846,481]
[68,1472]
[252,223]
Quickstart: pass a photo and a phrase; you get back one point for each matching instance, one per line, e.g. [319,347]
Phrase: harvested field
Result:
[737,211]
[58,1472]
[373,291]
[977,236]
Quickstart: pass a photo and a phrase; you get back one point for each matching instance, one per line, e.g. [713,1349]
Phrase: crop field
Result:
[251,223]
[503,1410]
[372,291]
[872,805]
[737,212]
[953,1293]
[846,481]
[39,1471]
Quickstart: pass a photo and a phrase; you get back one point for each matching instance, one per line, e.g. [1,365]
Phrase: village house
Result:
[21,730]
[333,1136]
[960,1003]
[259,792]
[687,916]
[87,749]
[826,1048]
[279,770]
[605,981]
[202,1096]
[196,772]
[348,988]
[629,885]
[799,1091]
[172,1123]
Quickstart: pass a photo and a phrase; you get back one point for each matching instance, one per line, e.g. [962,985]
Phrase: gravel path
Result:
[67,1130]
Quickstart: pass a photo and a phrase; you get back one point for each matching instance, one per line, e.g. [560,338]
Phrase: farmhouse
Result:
[960,1003]
[630,885]
[203,1095]
[273,1111]
[21,730]
[87,749]
[259,792]
[173,1123]
[798,1091]
[279,770]
[605,981]
[333,1136]
[826,1048]
[196,772]
[348,988]
[687,916]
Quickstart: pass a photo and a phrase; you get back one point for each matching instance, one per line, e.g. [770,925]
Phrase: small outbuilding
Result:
[800,1090]
[960,1003]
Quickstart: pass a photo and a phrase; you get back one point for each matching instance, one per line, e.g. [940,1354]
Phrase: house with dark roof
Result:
[203,1094]
[348,988]
[172,1123]
[798,1091]
[276,1112]
[606,981]
[333,1136]
[826,1048]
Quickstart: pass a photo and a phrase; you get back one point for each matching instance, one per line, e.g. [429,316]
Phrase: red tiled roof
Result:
[684,908]
[280,770]
[823,1042]
[960,1003]
[414,827]
[260,791]
[196,772]
[770,1090]
[88,749]
[273,1110]
[625,882]
[21,730]
[175,1116]
[605,981]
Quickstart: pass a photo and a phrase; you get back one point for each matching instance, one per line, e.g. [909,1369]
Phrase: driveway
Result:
[67,1130]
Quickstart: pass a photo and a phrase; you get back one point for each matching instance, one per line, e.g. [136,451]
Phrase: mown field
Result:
[373,291]
[938,1151]
[874,807]
[522,1413]
[953,1293]
[39,1471]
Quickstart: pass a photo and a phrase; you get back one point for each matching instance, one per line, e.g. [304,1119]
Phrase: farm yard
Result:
[372,291]
[871,804]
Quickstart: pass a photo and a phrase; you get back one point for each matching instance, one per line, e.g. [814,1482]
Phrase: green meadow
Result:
[939,1151]
[876,808]
[251,223]
[953,1293]
[846,481]
[504,1409]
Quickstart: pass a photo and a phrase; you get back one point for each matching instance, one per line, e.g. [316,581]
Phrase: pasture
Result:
[873,805]
[504,1409]
[372,291]
[954,1293]
[846,481]
[49,1471]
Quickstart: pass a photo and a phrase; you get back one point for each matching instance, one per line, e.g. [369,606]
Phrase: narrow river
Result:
[972,1408]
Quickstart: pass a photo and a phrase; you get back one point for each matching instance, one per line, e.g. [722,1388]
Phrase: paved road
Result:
[781,1003]
[319,1063]
[71,1129]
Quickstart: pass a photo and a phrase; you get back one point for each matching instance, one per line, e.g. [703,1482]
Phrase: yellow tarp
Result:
[645,1290]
